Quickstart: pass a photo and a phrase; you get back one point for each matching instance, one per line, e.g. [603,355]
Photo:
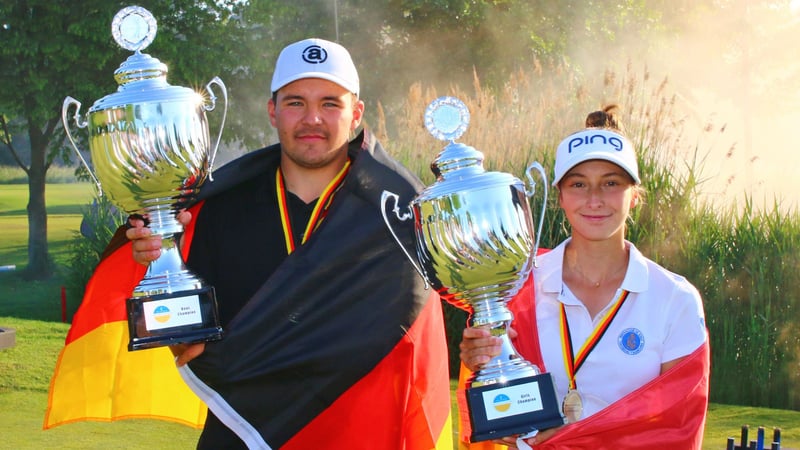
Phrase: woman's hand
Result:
[478,346]
[510,442]
[541,436]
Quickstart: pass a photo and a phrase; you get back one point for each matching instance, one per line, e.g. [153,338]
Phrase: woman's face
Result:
[596,197]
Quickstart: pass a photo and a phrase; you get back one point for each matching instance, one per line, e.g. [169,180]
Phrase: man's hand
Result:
[186,352]
[146,246]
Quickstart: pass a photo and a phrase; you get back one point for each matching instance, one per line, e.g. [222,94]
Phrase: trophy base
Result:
[183,317]
[515,407]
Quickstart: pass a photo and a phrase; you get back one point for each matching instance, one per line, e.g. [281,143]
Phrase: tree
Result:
[51,49]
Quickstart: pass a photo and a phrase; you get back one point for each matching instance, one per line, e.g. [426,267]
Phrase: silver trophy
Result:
[151,151]
[475,246]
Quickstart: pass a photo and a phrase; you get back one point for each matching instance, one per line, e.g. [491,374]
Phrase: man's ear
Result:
[271,112]
[358,114]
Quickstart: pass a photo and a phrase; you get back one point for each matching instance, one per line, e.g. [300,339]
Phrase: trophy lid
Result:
[458,167]
[141,77]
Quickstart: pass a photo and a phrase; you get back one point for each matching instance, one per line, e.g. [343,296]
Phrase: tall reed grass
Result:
[749,268]
[744,261]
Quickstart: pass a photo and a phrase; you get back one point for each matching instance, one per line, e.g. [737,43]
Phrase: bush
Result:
[100,221]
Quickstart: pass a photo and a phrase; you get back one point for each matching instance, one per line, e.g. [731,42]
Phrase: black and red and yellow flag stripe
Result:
[342,347]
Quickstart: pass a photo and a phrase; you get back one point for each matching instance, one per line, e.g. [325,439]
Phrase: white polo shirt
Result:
[661,320]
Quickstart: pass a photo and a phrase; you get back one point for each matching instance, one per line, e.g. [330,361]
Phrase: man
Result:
[331,339]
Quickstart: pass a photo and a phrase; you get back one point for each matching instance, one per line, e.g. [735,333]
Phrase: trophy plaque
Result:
[474,244]
[150,147]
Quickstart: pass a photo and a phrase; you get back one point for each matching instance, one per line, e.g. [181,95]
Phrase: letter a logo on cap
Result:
[314,54]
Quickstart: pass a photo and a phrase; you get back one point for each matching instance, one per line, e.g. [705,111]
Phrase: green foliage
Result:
[100,220]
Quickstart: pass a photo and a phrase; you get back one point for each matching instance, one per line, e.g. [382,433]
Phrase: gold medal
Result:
[572,406]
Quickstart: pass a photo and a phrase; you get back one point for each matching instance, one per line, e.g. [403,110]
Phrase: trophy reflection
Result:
[151,151]
[475,245]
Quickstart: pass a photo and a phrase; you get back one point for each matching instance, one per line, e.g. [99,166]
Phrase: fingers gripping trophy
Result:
[474,244]
[150,146]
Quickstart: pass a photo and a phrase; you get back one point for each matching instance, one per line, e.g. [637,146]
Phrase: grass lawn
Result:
[65,203]
[726,421]
[25,371]
[38,299]
[33,310]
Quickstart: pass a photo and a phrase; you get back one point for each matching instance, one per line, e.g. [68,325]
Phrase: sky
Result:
[740,69]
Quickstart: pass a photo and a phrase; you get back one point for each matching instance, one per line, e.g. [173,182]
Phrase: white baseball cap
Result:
[315,58]
[595,143]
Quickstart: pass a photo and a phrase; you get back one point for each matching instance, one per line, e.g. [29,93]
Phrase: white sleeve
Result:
[686,327]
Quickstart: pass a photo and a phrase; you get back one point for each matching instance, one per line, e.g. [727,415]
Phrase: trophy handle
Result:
[69,101]
[403,217]
[538,167]
[213,98]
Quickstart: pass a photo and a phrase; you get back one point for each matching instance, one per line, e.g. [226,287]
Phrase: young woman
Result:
[607,322]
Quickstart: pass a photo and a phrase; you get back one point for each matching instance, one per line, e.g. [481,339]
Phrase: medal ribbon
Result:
[572,363]
[317,215]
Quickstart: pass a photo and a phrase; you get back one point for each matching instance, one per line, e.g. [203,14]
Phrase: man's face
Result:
[314,119]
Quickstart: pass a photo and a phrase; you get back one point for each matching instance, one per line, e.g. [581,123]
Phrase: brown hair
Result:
[605,118]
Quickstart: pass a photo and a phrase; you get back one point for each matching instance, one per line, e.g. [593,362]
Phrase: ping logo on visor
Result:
[594,139]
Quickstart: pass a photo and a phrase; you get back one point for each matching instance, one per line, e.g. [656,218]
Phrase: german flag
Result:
[667,413]
[96,378]
[342,347]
